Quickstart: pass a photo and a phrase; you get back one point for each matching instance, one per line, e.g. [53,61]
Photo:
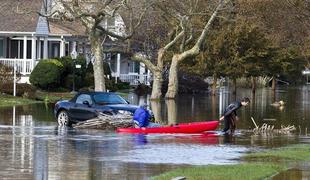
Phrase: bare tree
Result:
[93,15]
[186,24]
[157,67]
[159,39]
[179,21]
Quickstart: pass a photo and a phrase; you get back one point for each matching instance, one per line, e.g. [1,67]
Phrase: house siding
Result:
[42,27]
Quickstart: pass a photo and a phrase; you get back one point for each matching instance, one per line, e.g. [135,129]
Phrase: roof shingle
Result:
[19,15]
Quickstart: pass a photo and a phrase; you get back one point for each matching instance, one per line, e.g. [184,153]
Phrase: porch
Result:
[136,79]
[23,66]
[24,50]
[126,70]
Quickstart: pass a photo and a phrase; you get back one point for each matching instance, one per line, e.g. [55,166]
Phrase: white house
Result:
[26,38]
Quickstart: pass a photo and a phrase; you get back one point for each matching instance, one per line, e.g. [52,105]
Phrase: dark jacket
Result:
[142,116]
[231,109]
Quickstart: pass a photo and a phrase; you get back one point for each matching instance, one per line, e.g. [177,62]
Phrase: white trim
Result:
[54,39]
[32,33]
[45,48]
[141,68]
[135,79]
[118,64]
[39,48]
[58,39]
[132,73]
[62,47]
[25,47]
[33,48]
[70,35]
[21,38]
[15,32]
[24,66]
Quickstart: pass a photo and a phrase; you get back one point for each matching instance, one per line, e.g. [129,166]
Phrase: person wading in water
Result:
[230,115]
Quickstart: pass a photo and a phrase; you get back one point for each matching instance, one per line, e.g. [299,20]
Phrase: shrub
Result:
[6,74]
[23,89]
[47,74]
[123,85]
[69,70]
[142,89]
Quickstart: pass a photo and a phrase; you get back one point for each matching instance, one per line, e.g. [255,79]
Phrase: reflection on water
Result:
[52,153]
[33,148]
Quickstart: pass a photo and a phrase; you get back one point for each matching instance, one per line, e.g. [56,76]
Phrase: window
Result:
[55,50]
[105,98]
[82,98]
[1,48]
[134,67]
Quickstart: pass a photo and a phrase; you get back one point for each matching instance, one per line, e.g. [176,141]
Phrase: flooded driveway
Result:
[33,147]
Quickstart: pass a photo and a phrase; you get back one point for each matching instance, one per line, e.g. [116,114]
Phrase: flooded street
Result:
[33,147]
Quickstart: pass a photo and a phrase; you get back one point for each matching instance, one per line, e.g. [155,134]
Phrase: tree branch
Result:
[177,37]
[112,34]
[196,48]
[143,59]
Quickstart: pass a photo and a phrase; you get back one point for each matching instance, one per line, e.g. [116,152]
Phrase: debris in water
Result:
[265,128]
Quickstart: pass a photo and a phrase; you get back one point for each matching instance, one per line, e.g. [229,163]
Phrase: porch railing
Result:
[23,66]
[135,79]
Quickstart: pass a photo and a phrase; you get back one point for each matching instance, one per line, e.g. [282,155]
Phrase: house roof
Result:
[22,16]
[58,27]
[19,16]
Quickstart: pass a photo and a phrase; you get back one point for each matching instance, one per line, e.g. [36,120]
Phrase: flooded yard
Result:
[33,147]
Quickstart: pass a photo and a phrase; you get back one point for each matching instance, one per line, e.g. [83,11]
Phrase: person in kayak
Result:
[142,116]
[230,115]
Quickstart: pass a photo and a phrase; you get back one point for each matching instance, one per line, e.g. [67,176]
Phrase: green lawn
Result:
[48,97]
[260,165]
[7,100]
[227,172]
[300,152]
[53,97]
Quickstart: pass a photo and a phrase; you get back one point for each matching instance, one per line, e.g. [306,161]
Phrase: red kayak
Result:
[188,128]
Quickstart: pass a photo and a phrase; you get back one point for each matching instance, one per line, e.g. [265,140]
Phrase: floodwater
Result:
[299,171]
[33,147]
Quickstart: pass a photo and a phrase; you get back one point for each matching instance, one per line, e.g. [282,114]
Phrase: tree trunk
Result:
[172,111]
[191,53]
[156,70]
[156,109]
[234,86]
[214,85]
[273,85]
[173,78]
[253,84]
[97,50]
[158,76]
[157,85]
